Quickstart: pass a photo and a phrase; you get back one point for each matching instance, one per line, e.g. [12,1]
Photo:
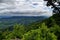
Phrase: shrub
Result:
[43,33]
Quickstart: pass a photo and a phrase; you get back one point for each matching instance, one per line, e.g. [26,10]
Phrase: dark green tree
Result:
[52,3]
[43,33]
[18,30]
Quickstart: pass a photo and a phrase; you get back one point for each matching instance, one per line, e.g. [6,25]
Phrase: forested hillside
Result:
[48,29]
[53,24]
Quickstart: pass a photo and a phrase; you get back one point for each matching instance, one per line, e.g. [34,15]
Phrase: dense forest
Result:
[48,29]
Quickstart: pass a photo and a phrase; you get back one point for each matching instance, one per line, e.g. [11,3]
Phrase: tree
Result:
[52,3]
[56,29]
[43,33]
[18,30]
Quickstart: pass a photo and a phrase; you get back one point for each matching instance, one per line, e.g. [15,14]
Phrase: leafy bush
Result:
[43,33]
[18,30]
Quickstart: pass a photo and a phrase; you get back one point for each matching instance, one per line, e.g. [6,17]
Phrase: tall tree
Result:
[52,3]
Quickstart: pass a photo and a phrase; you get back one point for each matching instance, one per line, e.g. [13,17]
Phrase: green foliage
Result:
[1,37]
[32,35]
[9,36]
[18,30]
[56,29]
[43,33]
[5,33]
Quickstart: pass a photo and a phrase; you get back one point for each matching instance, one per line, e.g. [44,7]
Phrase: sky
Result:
[24,8]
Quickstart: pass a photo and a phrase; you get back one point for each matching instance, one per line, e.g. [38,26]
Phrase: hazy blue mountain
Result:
[7,21]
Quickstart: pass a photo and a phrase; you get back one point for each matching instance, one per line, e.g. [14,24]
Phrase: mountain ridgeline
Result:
[9,21]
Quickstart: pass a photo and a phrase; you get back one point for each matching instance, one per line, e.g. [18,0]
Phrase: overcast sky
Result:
[28,7]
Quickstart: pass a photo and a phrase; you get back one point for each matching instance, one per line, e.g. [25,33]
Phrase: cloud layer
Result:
[24,8]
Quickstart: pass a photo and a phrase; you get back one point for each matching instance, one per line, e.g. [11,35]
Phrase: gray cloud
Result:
[20,7]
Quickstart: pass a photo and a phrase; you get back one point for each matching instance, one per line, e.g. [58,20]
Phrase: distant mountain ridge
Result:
[8,21]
